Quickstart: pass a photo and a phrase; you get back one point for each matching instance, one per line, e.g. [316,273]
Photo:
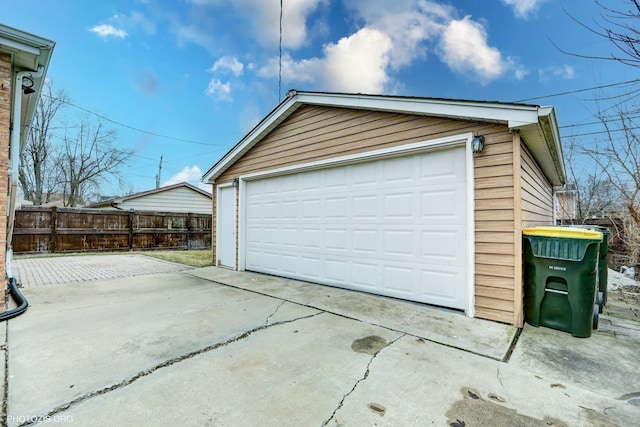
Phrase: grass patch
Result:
[200,258]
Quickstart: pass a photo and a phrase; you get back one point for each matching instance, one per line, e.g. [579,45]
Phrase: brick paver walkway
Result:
[33,272]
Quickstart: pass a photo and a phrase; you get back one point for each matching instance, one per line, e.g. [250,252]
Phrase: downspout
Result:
[16,136]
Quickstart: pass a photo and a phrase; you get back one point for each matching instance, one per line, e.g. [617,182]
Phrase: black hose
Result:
[18,298]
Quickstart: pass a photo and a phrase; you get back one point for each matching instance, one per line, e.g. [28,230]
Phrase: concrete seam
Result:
[364,377]
[512,346]
[162,365]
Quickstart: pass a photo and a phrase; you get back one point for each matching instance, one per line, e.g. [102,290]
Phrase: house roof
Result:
[117,200]
[537,125]
[29,53]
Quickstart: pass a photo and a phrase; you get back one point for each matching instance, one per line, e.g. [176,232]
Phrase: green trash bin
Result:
[603,263]
[561,278]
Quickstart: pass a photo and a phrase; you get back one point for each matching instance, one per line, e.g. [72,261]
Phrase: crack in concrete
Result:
[505,358]
[364,377]
[266,322]
[162,365]
[498,376]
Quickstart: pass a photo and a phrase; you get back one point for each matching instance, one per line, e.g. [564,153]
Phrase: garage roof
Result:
[537,125]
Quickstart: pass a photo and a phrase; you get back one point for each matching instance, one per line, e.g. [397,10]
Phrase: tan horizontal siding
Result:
[494,193]
[537,193]
[494,281]
[494,225]
[495,259]
[493,314]
[314,133]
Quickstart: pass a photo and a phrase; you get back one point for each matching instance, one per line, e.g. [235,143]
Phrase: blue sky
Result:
[194,76]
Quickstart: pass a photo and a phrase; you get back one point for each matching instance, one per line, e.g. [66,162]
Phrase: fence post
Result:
[189,231]
[54,231]
[131,229]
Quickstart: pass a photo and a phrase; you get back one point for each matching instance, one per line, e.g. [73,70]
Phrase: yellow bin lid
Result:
[563,232]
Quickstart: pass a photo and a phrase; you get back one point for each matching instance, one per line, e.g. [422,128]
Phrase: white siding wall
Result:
[175,200]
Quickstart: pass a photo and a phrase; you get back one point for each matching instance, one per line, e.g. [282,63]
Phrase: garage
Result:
[394,226]
[419,199]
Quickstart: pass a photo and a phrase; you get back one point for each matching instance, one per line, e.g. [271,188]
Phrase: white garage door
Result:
[394,227]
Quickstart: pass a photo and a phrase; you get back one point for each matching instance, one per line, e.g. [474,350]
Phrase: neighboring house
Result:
[566,211]
[24,59]
[182,197]
[383,194]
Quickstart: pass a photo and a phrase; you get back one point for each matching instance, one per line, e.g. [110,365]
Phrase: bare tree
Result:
[619,25]
[87,158]
[618,158]
[596,196]
[37,176]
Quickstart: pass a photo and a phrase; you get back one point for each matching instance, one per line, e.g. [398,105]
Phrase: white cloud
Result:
[264,17]
[563,72]
[357,63]
[193,34]
[464,48]
[228,63]
[134,20]
[409,24]
[522,8]
[219,90]
[187,174]
[106,31]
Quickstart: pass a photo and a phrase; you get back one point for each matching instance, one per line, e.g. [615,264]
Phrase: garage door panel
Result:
[365,276]
[365,207]
[398,171]
[440,284]
[289,264]
[400,280]
[441,246]
[336,208]
[365,241]
[399,243]
[394,227]
[364,175]
[441,166]
[337,270]
[399,205]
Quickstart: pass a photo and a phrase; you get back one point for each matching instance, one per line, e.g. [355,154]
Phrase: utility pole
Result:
[158,177]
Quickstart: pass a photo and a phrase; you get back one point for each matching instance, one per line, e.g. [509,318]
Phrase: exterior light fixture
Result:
[27,85]
[236,182]
[477,144]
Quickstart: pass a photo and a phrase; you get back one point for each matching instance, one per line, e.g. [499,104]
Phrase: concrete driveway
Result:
[215,347]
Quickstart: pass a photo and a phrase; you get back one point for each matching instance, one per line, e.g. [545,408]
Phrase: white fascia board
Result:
[512,115]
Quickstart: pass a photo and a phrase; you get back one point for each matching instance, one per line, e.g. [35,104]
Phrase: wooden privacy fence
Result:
[54,230]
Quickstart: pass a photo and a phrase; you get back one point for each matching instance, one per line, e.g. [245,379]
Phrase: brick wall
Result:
[5,118]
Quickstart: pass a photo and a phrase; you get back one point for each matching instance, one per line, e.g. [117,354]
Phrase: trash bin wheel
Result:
[596,315]
[600,301]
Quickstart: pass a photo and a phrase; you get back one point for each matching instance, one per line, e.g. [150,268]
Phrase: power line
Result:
[280,59]
[600,132]
[578,91]
[609,118]
[131,127]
